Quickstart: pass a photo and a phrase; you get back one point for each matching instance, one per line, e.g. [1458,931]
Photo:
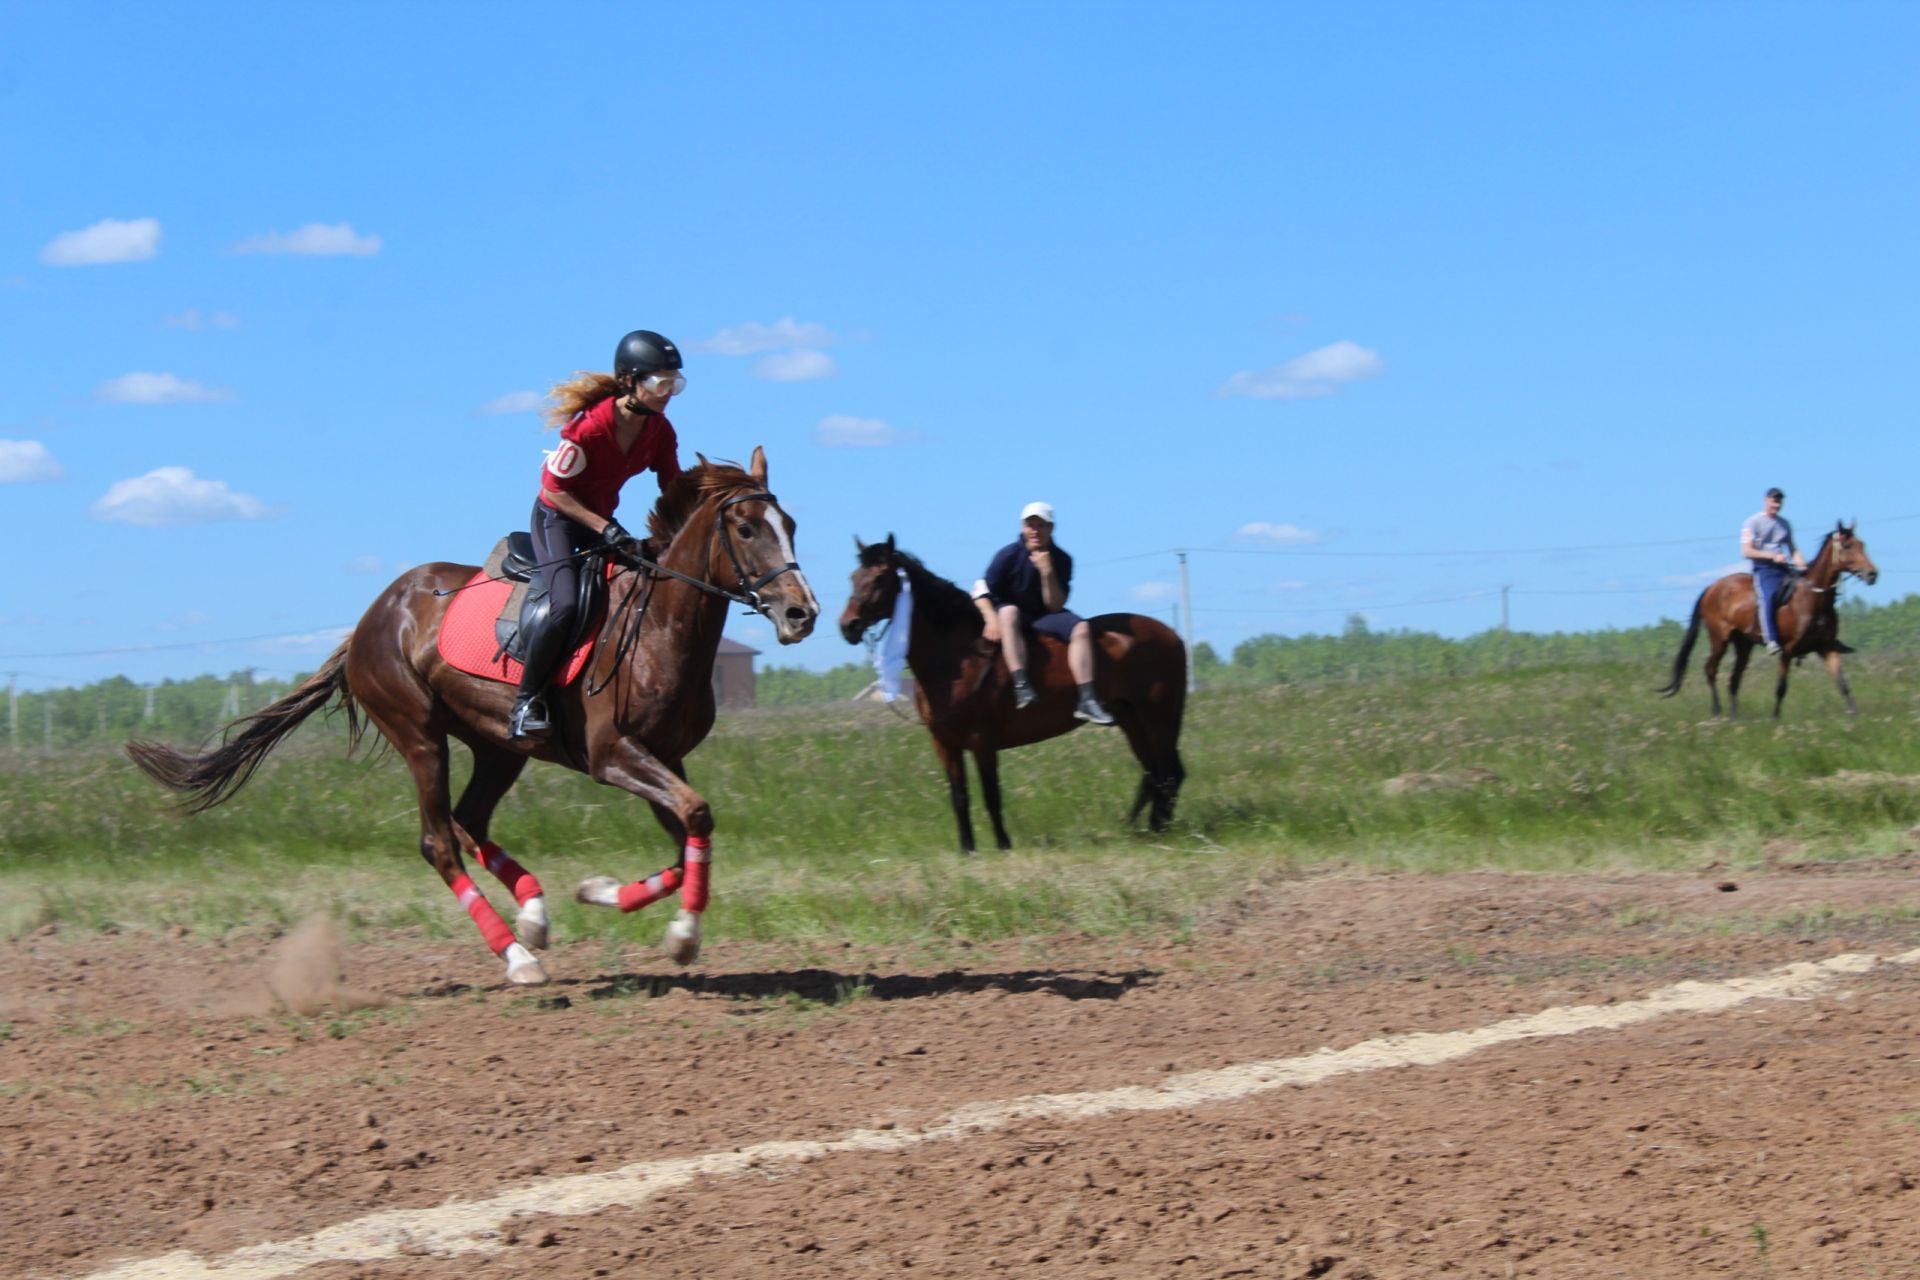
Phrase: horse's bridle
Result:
[749,592]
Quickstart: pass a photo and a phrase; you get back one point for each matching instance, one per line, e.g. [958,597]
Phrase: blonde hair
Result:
[578,394]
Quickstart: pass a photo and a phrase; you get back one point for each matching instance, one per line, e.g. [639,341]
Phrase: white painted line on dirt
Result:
[474,1226]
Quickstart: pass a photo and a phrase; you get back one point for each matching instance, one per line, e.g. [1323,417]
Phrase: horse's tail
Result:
[1686,649]
[210,777]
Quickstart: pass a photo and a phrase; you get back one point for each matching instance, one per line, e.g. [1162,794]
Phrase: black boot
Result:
[1090,709]
[1023,694]
[530,719]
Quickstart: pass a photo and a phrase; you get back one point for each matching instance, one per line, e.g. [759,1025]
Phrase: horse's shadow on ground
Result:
[831,987]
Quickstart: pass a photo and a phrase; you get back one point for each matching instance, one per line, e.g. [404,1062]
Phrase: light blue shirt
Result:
[1763,532]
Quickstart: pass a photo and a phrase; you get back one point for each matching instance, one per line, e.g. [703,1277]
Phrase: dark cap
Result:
[1775,493]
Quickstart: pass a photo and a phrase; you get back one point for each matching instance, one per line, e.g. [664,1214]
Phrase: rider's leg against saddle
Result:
[1080,663]
[1766,585]
[1013,647]
[556,539]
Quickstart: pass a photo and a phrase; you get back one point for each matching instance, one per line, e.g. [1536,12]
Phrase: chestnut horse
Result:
[643,701]
[1807,623]
[966,698]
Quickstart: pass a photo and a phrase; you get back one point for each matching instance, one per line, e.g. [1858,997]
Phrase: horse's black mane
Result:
[938,600]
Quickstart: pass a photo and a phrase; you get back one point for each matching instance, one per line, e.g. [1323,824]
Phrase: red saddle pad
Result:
[467,639]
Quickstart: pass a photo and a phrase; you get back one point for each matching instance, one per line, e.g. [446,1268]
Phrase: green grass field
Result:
[834,824]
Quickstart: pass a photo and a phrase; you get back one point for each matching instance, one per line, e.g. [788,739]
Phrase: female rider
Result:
[612,427]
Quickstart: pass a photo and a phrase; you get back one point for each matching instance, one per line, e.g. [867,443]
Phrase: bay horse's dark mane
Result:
[943,603]
[688,490]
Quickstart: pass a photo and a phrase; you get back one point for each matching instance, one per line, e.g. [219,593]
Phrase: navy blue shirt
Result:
[1012,579]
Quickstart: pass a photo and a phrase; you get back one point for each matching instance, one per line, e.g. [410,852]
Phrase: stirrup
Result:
[529,719]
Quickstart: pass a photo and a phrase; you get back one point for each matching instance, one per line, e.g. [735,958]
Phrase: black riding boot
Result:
[545,648]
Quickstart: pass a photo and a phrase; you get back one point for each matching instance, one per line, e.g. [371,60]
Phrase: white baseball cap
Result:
[1042,509]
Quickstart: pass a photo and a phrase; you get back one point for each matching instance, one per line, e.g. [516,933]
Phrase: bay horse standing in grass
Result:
[650,675]
[1808,622]
[965,696]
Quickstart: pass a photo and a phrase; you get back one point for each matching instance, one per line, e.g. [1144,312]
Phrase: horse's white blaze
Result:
[531,924]
[474,1226]
[799,575]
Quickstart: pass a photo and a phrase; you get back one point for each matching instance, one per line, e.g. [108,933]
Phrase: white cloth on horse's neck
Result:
[892,658]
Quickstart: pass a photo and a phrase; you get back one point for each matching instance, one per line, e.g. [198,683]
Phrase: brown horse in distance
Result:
[643,701]
[965,697]
[1807,623]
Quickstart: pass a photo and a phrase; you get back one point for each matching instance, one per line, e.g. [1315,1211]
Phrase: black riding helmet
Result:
[642,352]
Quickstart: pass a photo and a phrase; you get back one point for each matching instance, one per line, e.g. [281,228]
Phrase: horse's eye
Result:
[746,530]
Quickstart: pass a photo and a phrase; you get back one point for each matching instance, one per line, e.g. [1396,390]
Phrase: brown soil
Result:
[155,1095]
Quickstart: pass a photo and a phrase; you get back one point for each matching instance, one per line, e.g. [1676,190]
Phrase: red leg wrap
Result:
[509,873]
[492,927]
[699,859]
[655,887]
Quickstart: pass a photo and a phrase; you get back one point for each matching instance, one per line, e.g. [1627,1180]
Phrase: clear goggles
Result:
[668,383]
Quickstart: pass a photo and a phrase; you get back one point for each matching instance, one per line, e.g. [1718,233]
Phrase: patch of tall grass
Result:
[834,822]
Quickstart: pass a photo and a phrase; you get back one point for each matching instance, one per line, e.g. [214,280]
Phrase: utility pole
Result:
[1503,607]
[13,711]
[1186,615]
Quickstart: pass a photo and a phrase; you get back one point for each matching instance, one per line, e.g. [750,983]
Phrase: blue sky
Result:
[1306,290]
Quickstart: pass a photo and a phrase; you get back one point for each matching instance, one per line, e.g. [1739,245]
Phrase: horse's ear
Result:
[702,458]
[1852,525]
[889,543]
[757,467]
[859,547]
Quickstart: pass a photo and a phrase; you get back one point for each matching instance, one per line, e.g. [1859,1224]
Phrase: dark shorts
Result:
[1058,625]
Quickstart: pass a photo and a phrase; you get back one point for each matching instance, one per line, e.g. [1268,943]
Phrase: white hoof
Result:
[530,926]
[522,969]
[682,943]
[598,891]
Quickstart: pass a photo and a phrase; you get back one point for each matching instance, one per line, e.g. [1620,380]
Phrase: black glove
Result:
[613,535]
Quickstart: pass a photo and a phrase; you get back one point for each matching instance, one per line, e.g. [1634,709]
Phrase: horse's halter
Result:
[1840,571]
[749,593]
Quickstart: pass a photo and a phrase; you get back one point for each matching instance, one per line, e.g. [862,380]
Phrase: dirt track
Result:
[150,1104]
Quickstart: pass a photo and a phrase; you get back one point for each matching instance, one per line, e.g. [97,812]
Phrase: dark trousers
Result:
[556,542]
[1768,578]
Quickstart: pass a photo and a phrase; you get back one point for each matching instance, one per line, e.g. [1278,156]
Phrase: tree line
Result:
[191,710]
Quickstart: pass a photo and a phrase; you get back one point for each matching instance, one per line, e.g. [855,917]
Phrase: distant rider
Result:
[612,427]
[1026,588]
[1766,540]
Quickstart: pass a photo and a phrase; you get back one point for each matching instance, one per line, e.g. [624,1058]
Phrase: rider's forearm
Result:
[575,510]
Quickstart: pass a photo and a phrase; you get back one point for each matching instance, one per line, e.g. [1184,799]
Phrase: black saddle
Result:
[518,621]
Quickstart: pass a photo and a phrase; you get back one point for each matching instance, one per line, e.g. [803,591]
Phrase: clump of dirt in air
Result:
[306,972]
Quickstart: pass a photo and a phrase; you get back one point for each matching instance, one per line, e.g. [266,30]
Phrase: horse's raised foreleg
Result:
[425,751]
[495,771]
[1832,659]
[954,762]
[631,768]
[988,762]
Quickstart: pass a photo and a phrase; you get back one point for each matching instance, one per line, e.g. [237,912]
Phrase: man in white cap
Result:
[1026,587]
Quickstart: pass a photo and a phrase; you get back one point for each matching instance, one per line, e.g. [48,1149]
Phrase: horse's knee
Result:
[698,819]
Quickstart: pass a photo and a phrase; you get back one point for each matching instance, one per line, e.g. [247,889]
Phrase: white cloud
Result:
[803,365]
[1276,534]
[364,564]
[515,402]
[158,388]
[302,641]
[753,337]
[1703,577]
[194,318]
[1286,584]
[108,240]
[316,239]
[841,431]
[173,496]
[1319,372]
[1153,592]
[27,461]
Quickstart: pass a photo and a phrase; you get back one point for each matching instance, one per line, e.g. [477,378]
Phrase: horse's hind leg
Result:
[1780,686]
[1717,646]
[494,772]
[425,751]
[988,762]
[1832,659]
[1742,653]
[1161,772]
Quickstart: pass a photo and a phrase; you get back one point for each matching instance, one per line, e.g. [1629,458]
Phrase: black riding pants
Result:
[556,544]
